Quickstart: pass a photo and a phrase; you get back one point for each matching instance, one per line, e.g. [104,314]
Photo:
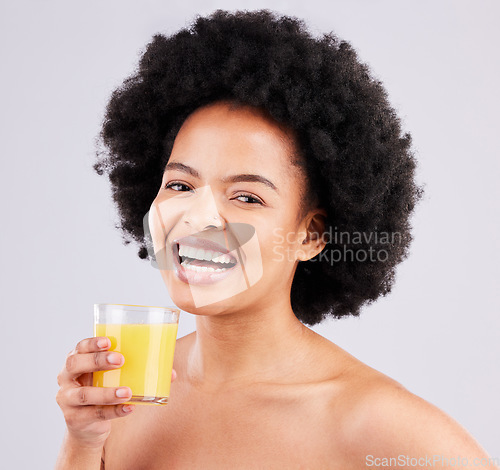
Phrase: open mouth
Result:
[203,260]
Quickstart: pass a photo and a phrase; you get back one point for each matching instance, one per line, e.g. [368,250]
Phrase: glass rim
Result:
[128,314]
[172,309]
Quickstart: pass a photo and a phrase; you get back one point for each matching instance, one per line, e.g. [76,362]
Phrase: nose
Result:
[202,213]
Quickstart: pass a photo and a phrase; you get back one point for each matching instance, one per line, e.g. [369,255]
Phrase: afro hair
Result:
[356,160]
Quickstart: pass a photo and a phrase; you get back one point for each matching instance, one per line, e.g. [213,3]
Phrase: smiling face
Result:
[225,223]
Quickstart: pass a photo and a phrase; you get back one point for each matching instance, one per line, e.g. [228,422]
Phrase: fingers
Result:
[74,364]
[86,408]
[85,405]
[84,415]
[78,364]
[78,396]
[88,345]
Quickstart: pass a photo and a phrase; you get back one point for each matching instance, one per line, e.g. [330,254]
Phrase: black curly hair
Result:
[356,160]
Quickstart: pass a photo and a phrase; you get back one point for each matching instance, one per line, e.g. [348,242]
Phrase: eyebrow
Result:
[183,168]
[228,179]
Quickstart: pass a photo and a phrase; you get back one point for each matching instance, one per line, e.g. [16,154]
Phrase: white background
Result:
[437,333]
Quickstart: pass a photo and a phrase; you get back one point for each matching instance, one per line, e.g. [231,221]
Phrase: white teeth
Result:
[222,259]
[201,269]
[201,254]
[187,251]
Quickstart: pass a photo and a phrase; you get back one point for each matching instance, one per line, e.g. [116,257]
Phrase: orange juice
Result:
[149,356]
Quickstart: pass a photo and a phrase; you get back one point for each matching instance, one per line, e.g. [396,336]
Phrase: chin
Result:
[182,297]
[187,304]
[215,298]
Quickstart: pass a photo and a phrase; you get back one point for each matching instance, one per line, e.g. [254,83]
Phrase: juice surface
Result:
[149,357]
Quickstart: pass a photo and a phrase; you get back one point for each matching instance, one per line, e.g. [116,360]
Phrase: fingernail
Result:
[114,358]
[102,343]
[122,392]
[128,408]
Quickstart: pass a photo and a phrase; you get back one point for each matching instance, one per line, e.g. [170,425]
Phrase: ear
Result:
[313,241]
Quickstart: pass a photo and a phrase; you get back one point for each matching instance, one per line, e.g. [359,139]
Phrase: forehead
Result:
[232,137]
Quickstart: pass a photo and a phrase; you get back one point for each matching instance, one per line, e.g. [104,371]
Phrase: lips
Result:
[202,261]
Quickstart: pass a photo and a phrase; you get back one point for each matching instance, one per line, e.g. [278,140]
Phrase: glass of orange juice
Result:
[146,337]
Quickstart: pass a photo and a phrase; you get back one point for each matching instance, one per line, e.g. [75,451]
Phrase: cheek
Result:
[278,246]
[162,217]
[163,214]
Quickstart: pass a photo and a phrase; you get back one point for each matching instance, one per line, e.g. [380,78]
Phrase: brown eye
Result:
[176,186]
[246,198]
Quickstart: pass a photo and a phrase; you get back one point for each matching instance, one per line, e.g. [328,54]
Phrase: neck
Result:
[246,346]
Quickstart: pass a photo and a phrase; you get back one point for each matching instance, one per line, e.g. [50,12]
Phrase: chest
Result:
[230,431]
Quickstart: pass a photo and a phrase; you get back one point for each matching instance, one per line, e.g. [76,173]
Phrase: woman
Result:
[277,188]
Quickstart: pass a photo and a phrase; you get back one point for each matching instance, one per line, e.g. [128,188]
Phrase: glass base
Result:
[141,400]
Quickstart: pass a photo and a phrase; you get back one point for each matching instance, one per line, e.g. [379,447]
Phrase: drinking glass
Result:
[146,337]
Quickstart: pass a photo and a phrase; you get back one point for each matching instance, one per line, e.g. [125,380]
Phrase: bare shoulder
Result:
[382,419]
